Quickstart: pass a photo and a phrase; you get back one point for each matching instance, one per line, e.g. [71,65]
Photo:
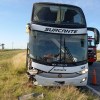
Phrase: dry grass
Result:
[12,75]
[98,56]
[68,93]
[13,83]
[7,54]
[19,60]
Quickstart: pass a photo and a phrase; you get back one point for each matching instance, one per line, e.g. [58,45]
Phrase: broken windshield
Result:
[58,14]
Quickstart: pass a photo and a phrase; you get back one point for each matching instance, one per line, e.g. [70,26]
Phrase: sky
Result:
[15,14]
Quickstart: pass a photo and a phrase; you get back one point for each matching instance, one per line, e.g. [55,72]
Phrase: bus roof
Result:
[57,4]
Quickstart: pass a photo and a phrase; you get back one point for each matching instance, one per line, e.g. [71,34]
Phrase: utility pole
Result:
[12,45]
[2,46]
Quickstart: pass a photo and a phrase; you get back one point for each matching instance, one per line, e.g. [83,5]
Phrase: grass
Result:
[5,54]
[14,82]
[98,51]
[98,55]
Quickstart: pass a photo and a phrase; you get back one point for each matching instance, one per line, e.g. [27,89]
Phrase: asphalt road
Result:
[95,66]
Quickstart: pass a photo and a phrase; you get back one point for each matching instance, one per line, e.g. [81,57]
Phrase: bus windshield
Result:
[58,14]
[58,48]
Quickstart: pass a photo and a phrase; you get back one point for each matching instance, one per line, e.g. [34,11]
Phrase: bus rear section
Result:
[57,48]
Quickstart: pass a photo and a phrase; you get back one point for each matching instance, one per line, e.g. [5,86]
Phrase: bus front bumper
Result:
[76,81]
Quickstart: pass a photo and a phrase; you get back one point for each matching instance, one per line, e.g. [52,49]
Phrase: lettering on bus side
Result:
[58,30]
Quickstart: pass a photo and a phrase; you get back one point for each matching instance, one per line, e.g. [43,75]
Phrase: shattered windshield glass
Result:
[58,14]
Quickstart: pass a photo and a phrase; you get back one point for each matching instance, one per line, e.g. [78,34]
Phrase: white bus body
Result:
[57,50]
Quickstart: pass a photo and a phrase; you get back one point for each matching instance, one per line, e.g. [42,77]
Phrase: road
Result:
[95,66]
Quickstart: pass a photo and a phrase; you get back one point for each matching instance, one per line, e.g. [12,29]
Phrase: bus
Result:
[92,52]
[58,45]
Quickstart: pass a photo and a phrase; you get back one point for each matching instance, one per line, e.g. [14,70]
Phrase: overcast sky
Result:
[14,14]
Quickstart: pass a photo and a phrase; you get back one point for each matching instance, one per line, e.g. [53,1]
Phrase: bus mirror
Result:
[96,34]
[28,28]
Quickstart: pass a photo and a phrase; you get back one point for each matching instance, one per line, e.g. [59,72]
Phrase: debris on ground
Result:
[38,96]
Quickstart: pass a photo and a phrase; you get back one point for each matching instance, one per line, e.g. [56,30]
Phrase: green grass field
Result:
[14,81]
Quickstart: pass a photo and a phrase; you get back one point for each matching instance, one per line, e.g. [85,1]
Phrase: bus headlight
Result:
[84,79]
[83,71]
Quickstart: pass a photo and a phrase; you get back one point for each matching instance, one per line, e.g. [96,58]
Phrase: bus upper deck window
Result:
[72,17]
[46,14]
[68,18]
[57,14]
[43,11]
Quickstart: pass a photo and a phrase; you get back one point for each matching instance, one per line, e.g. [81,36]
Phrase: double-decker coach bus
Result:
[57,48]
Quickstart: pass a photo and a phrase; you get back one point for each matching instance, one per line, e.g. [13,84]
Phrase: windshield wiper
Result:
[66,51]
